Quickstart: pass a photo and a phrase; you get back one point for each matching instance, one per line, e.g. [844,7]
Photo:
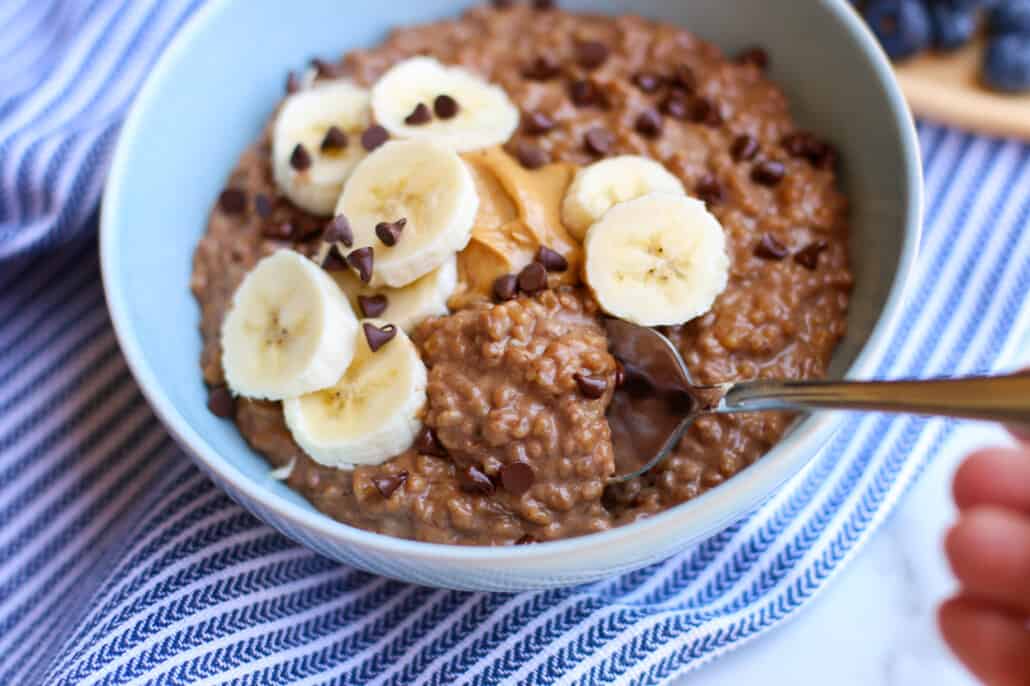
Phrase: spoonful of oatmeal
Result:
[658,401]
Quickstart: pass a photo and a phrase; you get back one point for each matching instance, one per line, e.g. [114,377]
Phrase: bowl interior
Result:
[212,92]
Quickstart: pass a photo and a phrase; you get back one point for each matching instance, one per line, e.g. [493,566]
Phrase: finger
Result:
[989,551]
[995,476]
[992,643]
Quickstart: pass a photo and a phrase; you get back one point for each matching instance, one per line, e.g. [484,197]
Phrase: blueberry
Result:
[1010,16]
[960,5]
[1007,63]
[903,26]
[952,27]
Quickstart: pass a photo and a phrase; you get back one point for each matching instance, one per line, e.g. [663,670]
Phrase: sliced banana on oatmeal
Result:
[289,331]
[414,203]
[372,413]
[657,260]
[601,185]
[421,98]
[408,306]
[316,143]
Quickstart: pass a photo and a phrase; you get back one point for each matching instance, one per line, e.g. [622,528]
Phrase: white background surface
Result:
[875,622]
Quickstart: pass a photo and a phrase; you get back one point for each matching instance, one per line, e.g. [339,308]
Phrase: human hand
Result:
[987,622]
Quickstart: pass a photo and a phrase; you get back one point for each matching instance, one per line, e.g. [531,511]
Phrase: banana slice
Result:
[484,115]
[656,260]
[409,306]
[426,185]
[289,331]
[371,414]
[309,163]
[603,184]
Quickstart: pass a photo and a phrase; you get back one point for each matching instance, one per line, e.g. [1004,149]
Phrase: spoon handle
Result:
[994,398]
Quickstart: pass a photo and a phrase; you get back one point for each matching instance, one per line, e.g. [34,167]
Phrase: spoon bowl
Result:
[658,401]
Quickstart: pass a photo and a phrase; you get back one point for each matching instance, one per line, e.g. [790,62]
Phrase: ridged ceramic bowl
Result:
[208,98]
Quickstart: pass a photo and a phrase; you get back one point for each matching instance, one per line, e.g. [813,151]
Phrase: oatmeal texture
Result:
[502,386]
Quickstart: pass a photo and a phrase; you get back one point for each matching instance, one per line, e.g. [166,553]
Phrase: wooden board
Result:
[946,88]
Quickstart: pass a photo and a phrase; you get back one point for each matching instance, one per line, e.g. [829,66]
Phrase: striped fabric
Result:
[120,562]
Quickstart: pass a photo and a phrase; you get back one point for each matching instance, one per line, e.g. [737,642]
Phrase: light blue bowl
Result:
[211,93]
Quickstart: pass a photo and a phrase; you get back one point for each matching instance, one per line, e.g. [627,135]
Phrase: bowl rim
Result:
[704,514]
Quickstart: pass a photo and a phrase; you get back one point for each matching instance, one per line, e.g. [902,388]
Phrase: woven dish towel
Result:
[120,563]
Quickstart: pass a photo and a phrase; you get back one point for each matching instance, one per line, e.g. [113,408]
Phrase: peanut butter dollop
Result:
[519,211]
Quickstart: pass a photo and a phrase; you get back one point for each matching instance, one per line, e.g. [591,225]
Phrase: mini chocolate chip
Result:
[583,93]
[517,477]
[533,278]
[335,140]
[744,148]
[333,262]
[420,115]
[378,336]
[338,231]
[543,5]
[609,498]
[591,54]
[372,305]
[221,403]
[828,158]
[805,145]
[808,257]
[300,159]
[702,110]
[292,83]
[685,78]
[446,107]
[769,248]
[503,4]
[386,485]
[599,141]
[471,479]
[390,232]
[282,231]
[232,201]
[362,260]
[543,68]
[647,81]
[373,137]
[531,156]
[506,287]
[797,143]
[538,123]
[325,69]
[768,172]
[754,55]
[263,206]
[591,387]
[709,189]
[526,539]
[649,124]
[552,260]
[676,106]
[427,443]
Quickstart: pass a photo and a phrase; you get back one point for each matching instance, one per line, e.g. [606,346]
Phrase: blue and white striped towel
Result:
[121,563]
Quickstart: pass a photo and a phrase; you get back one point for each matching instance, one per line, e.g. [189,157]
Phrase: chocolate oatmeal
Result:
[515,447]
